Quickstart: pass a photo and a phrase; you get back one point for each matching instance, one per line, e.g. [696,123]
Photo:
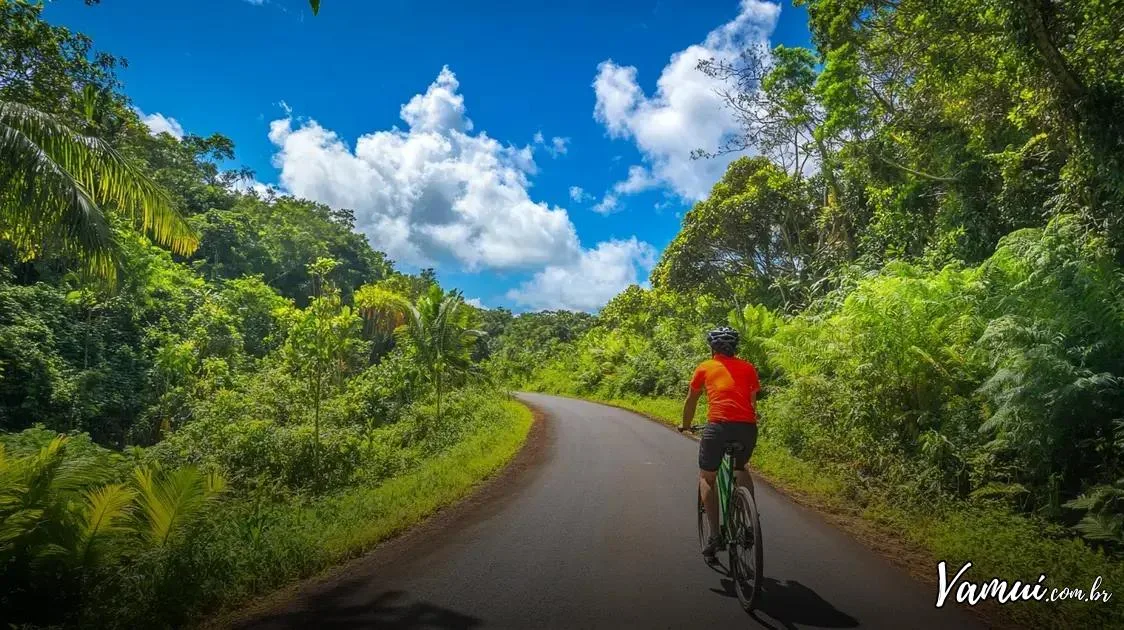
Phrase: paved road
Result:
[600,533]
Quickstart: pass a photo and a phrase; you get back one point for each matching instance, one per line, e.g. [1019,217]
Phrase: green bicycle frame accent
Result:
[725,490]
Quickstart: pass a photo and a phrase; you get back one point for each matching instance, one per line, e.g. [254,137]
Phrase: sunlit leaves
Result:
[169,500]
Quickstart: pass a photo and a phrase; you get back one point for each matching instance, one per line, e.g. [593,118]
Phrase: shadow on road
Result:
[789,604]
[348,607]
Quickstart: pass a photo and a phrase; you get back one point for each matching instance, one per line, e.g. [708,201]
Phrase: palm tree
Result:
[383,312]
[53,182]
[438,328]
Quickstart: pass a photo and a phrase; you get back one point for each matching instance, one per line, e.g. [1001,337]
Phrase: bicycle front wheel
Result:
[746,550]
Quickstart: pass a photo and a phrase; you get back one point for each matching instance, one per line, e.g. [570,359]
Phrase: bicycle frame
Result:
[725,490]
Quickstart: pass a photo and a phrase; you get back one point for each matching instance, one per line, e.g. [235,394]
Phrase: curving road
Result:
[598,531]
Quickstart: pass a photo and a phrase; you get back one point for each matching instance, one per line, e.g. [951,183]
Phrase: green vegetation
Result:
[925,264]
[205,393]
[125,547]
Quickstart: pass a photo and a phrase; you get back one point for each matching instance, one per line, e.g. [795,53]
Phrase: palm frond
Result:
[169,501]
[53,180]
[105,511]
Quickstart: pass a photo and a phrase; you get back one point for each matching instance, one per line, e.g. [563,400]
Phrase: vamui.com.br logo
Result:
[963,590]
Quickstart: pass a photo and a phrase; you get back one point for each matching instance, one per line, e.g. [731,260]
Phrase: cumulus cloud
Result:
[433,192]
[685,112]
[158,123]
[437,191]
[589,282]
[475,302]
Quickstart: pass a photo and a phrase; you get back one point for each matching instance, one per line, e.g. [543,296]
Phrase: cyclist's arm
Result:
[689,407]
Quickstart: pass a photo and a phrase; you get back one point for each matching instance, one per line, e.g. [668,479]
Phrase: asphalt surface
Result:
[599,532]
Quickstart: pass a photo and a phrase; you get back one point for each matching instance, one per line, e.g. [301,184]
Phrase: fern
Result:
[104,515]
[169,501]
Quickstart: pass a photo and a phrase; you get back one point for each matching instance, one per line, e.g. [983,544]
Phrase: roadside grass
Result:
[999,543]
[251,549]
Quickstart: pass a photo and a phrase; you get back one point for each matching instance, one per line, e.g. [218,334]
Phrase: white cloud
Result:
[475,302]
[432,192]
[578,194]
[159,123]
[589,282]
[639,179]
[558,145]
[437,192]
[607,204]
[256,3]
[685,113]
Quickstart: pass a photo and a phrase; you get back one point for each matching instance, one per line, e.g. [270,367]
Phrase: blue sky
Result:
[438,125]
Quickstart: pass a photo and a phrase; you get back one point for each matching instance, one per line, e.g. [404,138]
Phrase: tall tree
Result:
[323,342]
[755,237]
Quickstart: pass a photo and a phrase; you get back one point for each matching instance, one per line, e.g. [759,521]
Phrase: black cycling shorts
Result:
[715,436]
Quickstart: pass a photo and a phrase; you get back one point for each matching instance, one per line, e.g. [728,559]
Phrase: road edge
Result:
[488,492]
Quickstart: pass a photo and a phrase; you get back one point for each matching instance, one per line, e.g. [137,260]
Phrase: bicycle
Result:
[739,526]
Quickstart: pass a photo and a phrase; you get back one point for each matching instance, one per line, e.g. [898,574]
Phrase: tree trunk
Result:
[826,167]
[1035,23]
[438,382]
[316,434]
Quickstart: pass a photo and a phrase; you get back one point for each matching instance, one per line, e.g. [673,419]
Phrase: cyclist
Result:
[731,387]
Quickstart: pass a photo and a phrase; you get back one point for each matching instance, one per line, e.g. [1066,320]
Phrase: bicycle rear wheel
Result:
[746,550]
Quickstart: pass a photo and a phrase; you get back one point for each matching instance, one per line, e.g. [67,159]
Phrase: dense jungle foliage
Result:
[204,391]
[924,261]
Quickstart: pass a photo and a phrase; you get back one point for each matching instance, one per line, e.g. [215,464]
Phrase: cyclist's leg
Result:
[710,456]
[708,480]
[746,434]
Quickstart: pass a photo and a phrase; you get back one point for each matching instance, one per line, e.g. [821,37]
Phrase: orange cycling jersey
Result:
[730,384]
